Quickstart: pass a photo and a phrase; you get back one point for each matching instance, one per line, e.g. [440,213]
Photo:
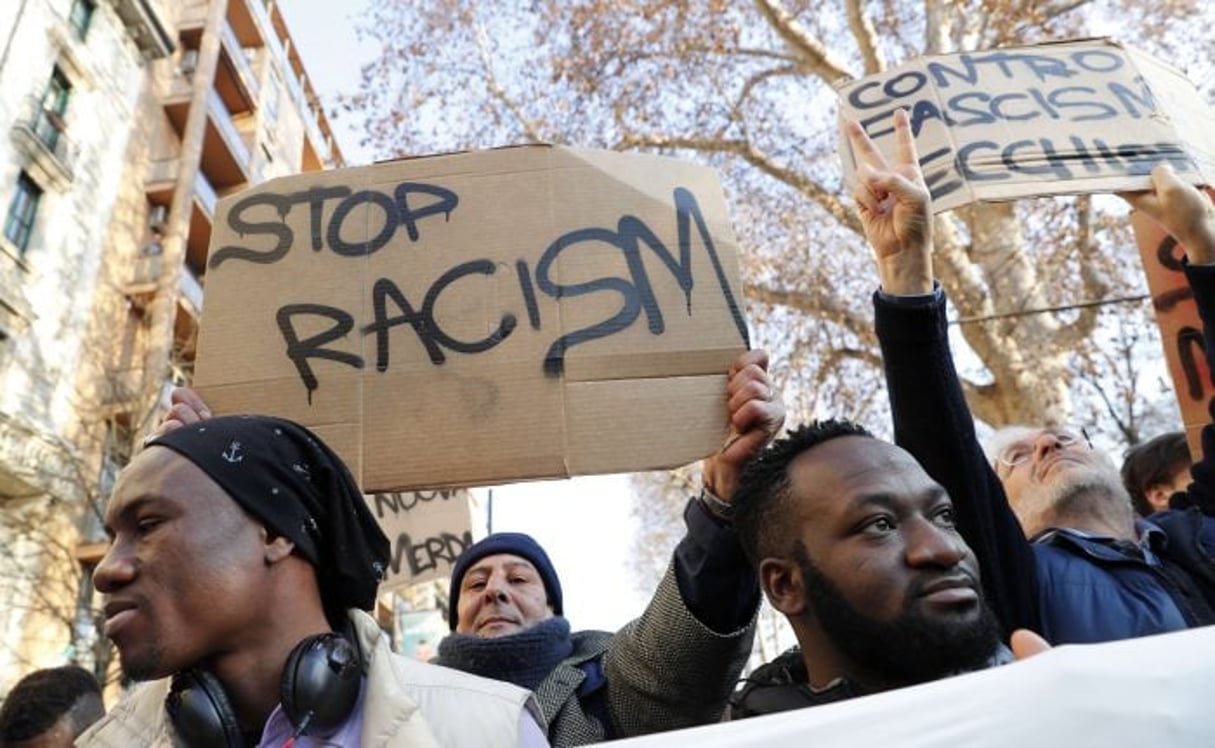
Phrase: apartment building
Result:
[126,120]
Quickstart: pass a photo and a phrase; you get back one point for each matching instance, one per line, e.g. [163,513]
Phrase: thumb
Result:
[1026,644]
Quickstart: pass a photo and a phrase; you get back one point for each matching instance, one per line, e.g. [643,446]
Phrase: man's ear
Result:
[1158,496]
[781,580]
[278,547]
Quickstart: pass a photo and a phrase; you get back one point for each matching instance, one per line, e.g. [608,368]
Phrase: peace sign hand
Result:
[895,208]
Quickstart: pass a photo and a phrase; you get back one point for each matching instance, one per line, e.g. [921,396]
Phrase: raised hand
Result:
[187,408]
[895,209]
[756,416]
[1182,210]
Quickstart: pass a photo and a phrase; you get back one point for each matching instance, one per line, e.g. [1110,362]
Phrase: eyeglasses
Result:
[1020,452]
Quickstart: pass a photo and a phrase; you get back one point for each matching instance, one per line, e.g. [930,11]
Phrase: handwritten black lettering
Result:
[299,351]
[425,555]
[446,204]
[316,197]
[358,249]
[1191,350]
[398,503]
[637,295]
[236,220]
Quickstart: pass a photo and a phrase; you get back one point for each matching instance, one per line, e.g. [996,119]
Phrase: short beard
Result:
[1094,493]
[908,650]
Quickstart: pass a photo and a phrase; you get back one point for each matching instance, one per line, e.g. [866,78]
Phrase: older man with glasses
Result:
[1090,571]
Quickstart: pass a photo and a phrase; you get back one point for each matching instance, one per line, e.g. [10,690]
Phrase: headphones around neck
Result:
[321,683]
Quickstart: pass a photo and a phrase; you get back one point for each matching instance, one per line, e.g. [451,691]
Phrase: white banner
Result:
[1154,691]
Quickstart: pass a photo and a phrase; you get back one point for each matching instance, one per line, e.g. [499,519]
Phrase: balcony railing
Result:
[227,129]
[236,52]
[205,193]
[191,288]
[41,133]
[295,87]
[144,22]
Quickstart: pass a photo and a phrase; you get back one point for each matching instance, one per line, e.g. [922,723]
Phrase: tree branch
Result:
[827,200]
[750,84]
[815,54]
[530,130]
[936,40]
[866,38]
[820,305]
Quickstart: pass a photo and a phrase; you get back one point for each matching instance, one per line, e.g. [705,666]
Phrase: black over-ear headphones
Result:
[321,682]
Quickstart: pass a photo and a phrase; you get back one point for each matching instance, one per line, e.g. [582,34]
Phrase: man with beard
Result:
[859,549]
[241,559]
[1096,574]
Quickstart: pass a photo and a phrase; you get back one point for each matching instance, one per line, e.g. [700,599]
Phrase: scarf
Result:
[524,658]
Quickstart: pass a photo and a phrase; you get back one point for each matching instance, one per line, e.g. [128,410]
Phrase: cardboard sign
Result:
[1060,118]
[480,318]
[428,530]
[1180,326]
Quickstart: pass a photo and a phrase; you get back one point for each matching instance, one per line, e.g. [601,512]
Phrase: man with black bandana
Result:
[239,546]
[675,665]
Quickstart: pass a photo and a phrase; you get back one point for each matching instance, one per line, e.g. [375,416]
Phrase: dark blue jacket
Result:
[1068,587]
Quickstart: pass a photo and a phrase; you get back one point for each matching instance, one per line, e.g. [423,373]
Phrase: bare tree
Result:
[747,88]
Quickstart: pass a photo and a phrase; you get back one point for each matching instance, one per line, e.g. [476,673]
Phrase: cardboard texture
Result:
[428,530]
[479,318]
[1060,118]
[1180,326]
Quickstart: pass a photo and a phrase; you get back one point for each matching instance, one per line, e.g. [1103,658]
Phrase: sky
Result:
[585,524]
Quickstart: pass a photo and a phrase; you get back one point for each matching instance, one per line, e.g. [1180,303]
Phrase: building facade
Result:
[121,124]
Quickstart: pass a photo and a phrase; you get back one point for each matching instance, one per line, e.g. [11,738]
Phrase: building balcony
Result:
[249,22]
[39,133]
[205,195]
[225,154]
[234,78]
[144,21]
[191,291]
[224,143]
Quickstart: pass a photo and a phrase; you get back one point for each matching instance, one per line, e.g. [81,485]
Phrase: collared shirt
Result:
[1150,539]
[278,729]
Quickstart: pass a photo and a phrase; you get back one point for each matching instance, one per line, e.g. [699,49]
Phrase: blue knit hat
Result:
[516,544]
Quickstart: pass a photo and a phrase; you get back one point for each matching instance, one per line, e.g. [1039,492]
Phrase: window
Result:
[20,222]
[81,16]
[48,122]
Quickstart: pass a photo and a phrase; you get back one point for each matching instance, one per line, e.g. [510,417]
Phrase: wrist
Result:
[718,507]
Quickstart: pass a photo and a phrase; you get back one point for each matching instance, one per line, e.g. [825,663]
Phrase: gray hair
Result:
[1001,438]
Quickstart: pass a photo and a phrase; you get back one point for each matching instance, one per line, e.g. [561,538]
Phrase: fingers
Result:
[755,356]
[904,141]
[865,192]
[867,154]
[187,408]
[863,148]
[189,400]
[1025,644]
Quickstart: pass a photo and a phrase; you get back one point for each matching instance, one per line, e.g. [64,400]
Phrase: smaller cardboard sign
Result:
[1180,326]
[427,532]
[1053,119]
[480,318]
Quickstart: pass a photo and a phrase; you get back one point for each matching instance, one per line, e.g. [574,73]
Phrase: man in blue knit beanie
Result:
[673,667]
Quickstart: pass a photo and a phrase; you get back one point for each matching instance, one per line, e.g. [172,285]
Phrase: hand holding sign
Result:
[756,415]
[895,209]
[1180,209]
